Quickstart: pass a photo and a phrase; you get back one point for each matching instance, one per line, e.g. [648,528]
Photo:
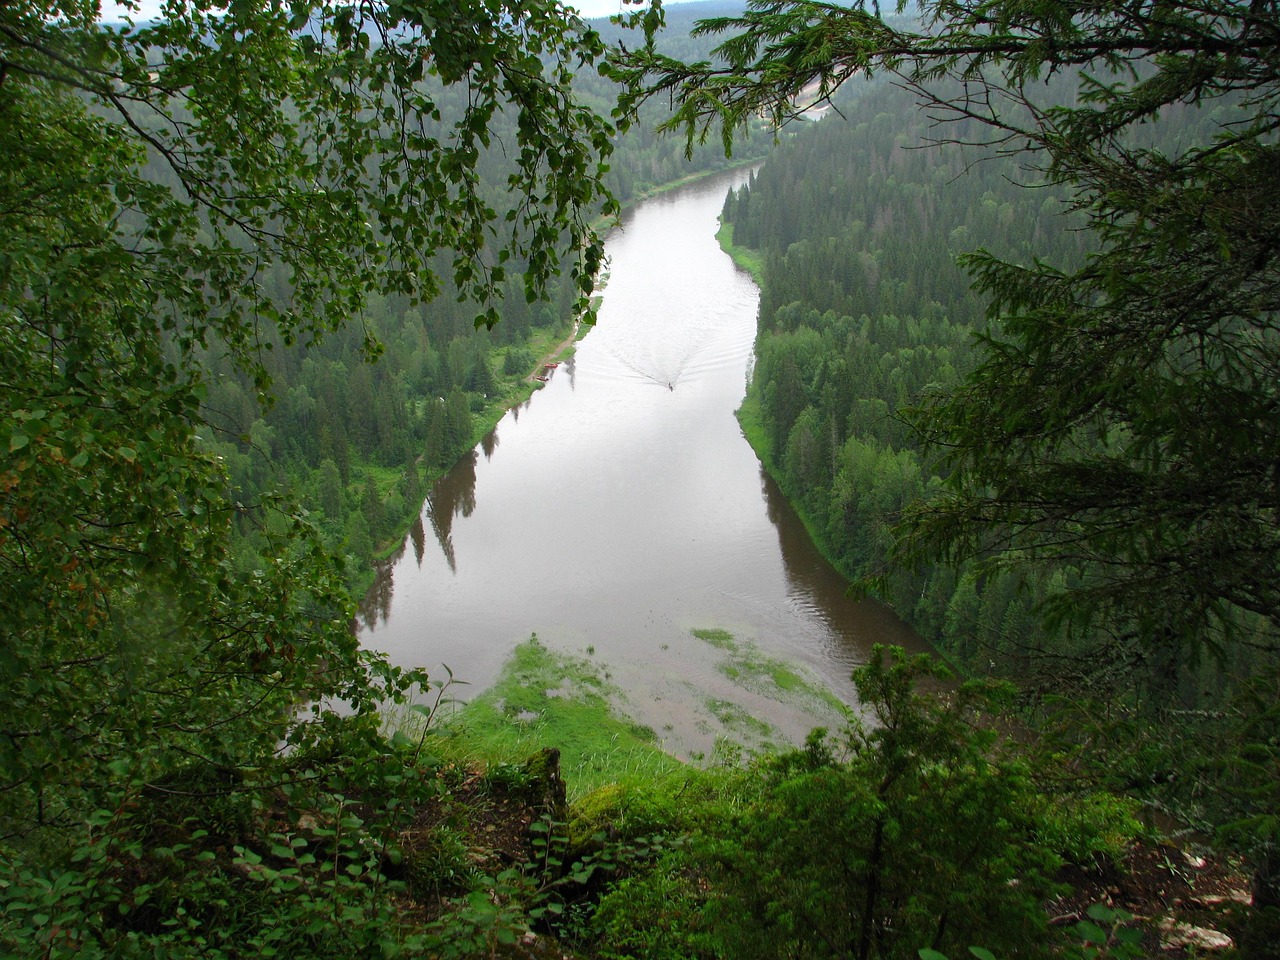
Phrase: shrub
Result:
[911,833]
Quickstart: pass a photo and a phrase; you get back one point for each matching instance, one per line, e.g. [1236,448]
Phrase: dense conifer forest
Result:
[859,222]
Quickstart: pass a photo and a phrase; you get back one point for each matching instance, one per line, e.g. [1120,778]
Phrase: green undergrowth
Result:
[544,698]
[653,858]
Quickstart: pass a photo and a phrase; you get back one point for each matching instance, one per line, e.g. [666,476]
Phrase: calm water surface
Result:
[621,507]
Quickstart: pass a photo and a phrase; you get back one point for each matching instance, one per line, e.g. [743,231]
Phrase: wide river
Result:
[621,508]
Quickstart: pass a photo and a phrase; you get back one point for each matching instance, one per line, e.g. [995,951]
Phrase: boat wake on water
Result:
[665,372]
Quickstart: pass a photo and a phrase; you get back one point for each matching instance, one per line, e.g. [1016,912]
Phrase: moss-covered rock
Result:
[600,811]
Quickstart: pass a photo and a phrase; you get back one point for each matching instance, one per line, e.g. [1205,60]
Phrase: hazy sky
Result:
[588,8]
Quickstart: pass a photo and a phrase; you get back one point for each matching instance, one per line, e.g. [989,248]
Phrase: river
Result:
[620,508]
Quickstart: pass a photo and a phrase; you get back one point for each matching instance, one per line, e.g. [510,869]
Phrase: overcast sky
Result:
[151,8]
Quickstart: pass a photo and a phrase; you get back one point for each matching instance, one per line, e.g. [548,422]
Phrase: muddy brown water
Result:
[621,508]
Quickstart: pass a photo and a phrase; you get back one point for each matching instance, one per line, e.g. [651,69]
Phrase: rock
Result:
[1175,935]
[1231,896]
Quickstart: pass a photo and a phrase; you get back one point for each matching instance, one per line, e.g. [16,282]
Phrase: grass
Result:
[716,637]
[386,478]
[548,699]
[614,769]
[752,669]
[734,717]
[752,423]
[748,259]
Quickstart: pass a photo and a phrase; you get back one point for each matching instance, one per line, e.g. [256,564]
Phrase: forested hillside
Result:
[356,443]
[859,221]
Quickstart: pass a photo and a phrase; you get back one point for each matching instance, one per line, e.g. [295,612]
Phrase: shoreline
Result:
[558,351]
[489,420]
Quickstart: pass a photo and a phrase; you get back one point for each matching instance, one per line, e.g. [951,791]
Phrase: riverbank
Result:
[547,761]
[548,349]
[750,420]
[544,344]
[748,259]
[671,185]
[748,414]
[561,351]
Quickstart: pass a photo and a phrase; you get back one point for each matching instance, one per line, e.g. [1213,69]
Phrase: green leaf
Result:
[506,935]
[1091,932]
[402,740]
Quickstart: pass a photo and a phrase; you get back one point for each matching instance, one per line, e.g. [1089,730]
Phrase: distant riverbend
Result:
[620,514]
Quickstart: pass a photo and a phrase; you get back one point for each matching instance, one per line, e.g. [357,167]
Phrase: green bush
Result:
[1083,829]
[912,832]
[517,362]
[658,915]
